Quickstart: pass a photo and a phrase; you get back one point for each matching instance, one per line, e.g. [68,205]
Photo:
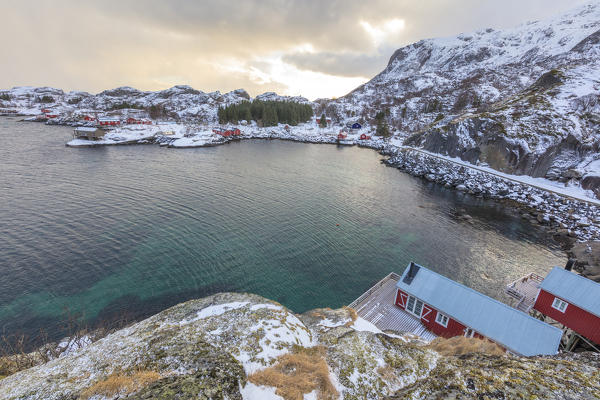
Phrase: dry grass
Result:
[459,345]
[116,384]
[298,373]
[353,315]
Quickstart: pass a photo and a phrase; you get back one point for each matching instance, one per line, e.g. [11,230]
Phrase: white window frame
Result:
[442,319]
[415,301]
[559,304]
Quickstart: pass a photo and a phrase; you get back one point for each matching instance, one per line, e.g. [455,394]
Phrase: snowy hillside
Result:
[523,100]
[181,103]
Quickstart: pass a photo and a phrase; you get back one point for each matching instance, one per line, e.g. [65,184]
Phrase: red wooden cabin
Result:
[449,309]
[572,300]
[342,135]
[89,118]
[51,114]
[227,132]
[364,136]
[108,122]
[45,110]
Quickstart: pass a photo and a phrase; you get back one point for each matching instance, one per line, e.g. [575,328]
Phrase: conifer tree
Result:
[323,121]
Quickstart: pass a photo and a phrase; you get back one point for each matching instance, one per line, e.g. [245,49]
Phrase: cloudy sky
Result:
[314,48]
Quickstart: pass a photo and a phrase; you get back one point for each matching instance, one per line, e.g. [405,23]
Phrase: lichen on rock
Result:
[234,346]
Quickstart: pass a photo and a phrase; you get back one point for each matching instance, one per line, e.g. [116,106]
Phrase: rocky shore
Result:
[562,216]
[243,346]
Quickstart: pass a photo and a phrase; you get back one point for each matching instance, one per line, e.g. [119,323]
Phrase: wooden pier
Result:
[377,306]
[525,290]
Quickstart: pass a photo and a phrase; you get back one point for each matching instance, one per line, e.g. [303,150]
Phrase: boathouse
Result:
[109,121]
[449,309]
[88,133]
[572,300]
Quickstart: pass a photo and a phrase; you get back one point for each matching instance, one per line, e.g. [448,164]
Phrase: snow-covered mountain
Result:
[523,100]
[181,103]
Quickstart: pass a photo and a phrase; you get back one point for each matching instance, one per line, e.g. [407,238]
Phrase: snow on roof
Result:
[85,129]
[511,328]
[574,289]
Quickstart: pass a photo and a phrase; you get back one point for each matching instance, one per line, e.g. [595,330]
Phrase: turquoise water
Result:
[134,229]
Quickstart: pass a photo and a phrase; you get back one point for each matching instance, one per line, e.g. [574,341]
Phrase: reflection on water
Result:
[136,229]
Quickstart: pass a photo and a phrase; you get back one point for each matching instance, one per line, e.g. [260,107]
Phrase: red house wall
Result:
[579,320]
[428,316]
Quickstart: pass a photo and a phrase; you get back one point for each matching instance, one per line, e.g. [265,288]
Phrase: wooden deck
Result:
[377,306]
[525,291]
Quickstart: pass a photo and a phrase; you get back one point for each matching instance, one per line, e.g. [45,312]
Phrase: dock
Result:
[377,306]
[525,290]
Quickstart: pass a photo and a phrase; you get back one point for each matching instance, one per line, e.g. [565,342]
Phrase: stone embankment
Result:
[563,216]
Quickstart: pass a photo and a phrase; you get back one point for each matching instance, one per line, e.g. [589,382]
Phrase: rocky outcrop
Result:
[210,349]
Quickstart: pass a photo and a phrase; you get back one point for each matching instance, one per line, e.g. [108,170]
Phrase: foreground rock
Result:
[235,346]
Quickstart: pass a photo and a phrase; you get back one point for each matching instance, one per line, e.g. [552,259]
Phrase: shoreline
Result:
[567,217]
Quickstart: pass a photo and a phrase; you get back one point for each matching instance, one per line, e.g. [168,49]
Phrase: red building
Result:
[51,114]
[448,309]
[227,132]
[45,110]
[364,136]
[109,122]
[572,300]
[89,118]
[342,135]
[142,121]
[327,120]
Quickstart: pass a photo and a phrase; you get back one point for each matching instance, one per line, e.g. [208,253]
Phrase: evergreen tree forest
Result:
[269,113]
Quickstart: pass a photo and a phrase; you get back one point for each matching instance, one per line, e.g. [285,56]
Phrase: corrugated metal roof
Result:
[505,325]
[574,289]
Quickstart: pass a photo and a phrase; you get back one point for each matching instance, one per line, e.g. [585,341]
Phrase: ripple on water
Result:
[134,229]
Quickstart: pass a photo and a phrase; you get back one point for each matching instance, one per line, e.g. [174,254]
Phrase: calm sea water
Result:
[135,229]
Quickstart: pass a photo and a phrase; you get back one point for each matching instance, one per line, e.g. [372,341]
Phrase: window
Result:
[442,319]
[410,304]
[414,306]
[559,304]
[418,308]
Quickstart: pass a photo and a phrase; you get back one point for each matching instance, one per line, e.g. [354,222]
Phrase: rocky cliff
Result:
[523,100]
[242,346]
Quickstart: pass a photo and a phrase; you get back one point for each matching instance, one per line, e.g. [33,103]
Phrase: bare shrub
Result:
[298,373]
[353,315]
[19,351]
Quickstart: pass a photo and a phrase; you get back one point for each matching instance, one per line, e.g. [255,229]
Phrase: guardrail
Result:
[392,275]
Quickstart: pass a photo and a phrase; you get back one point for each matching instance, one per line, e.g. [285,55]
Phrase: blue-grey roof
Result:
[574,289]
[511,328]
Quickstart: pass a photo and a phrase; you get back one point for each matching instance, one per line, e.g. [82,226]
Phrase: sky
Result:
[313,48]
